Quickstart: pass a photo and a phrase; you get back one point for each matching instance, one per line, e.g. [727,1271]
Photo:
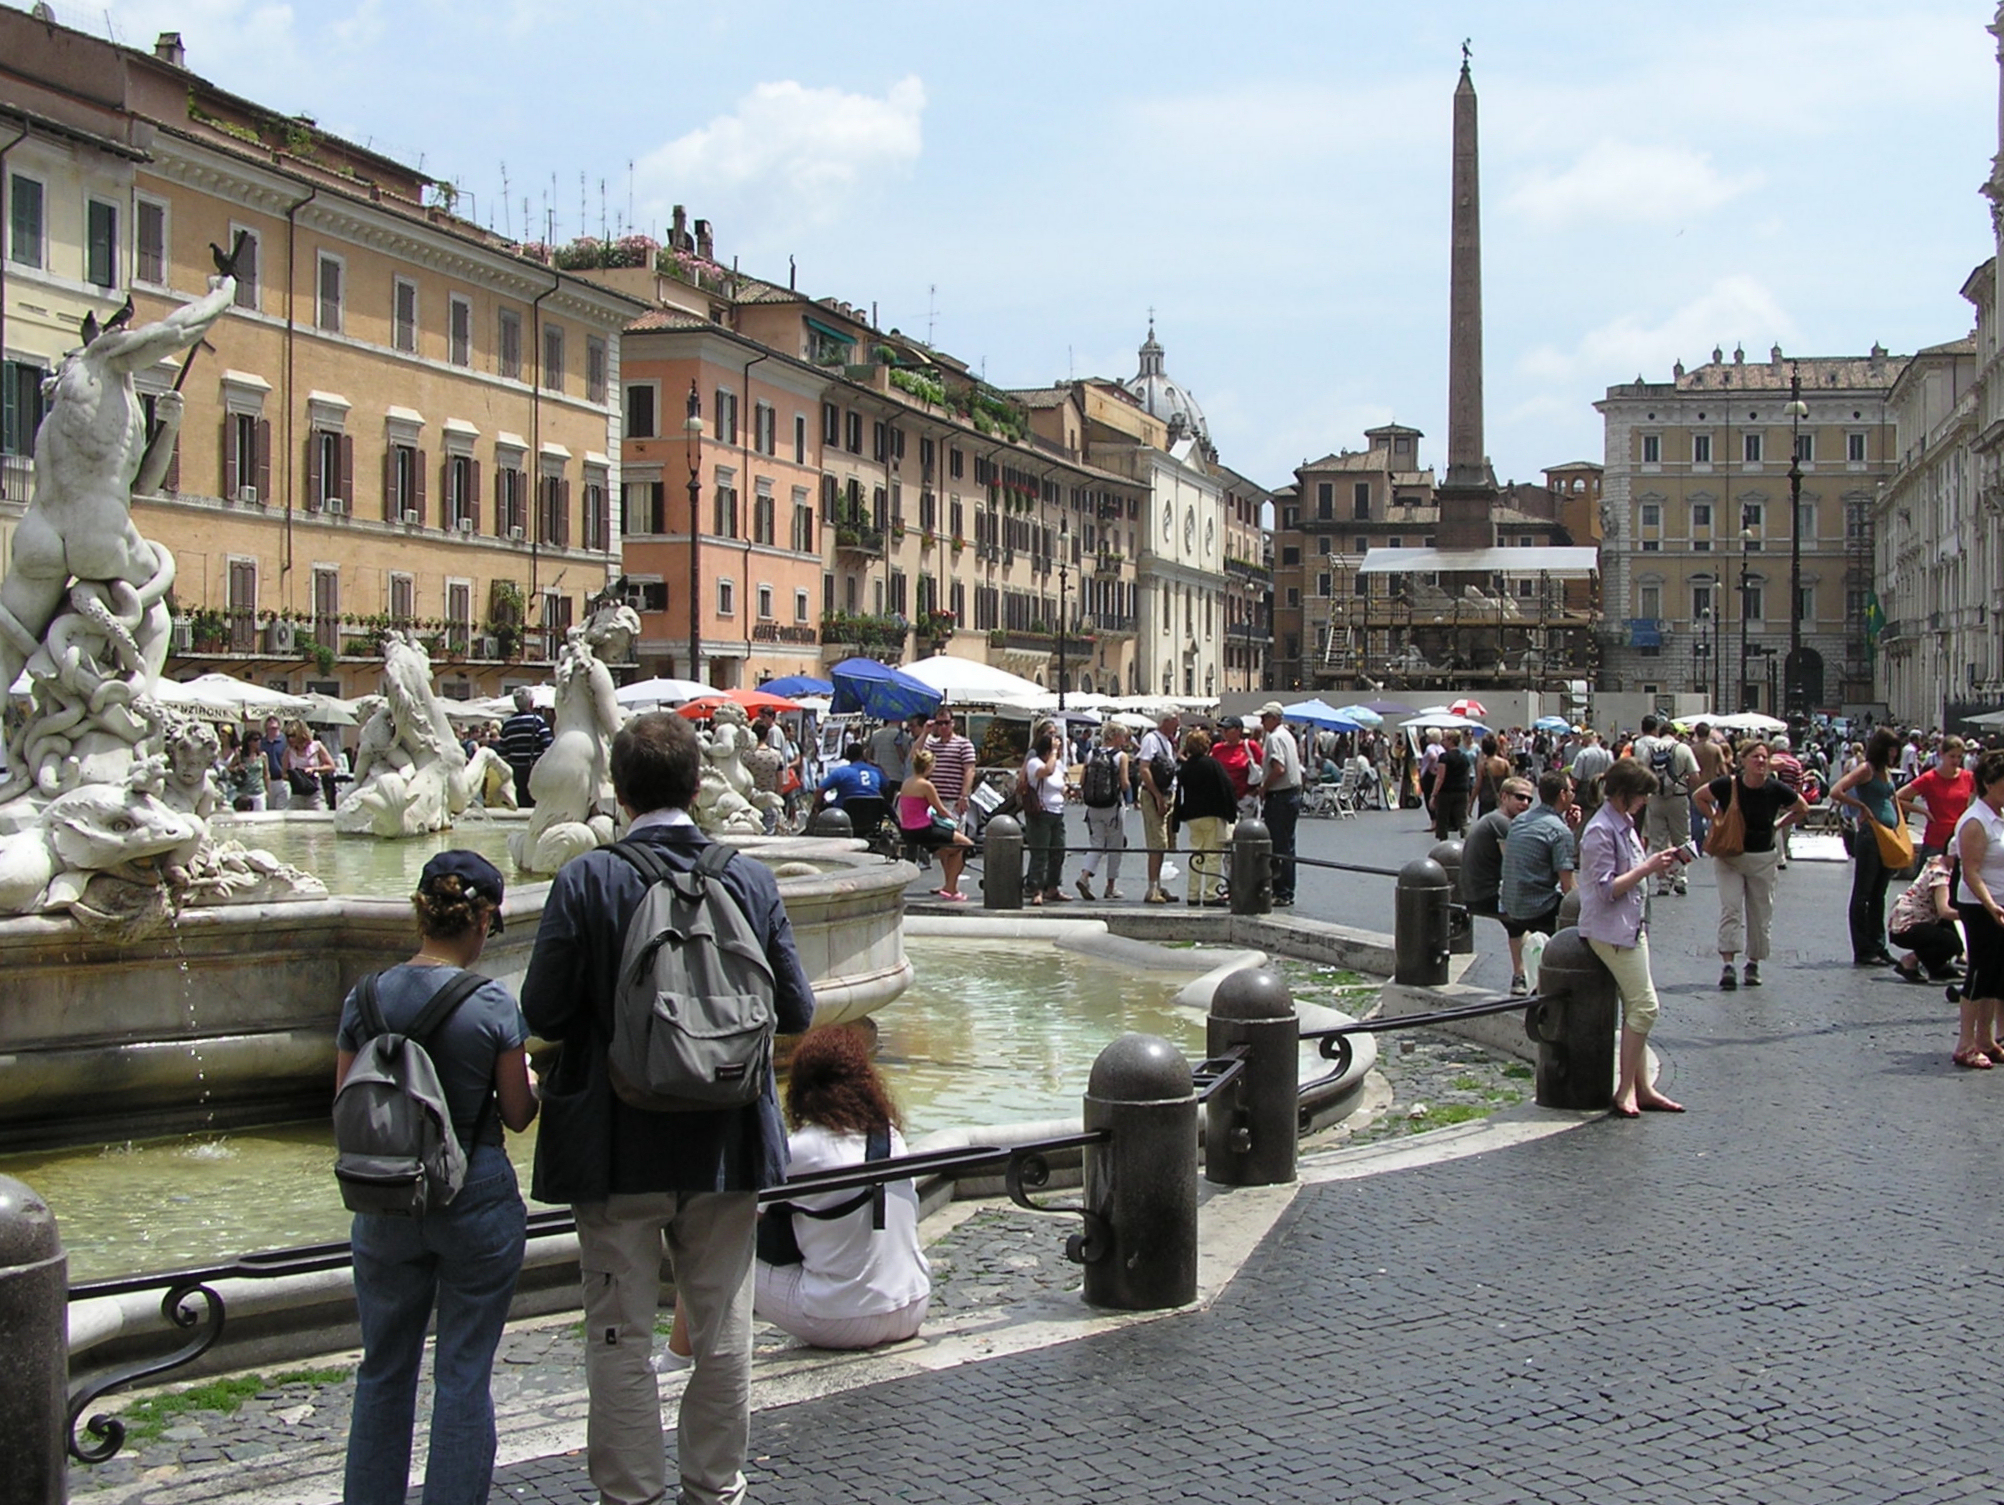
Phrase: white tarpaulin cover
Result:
[1559,562]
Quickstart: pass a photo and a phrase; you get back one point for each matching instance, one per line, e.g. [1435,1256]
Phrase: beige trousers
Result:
[1746,903]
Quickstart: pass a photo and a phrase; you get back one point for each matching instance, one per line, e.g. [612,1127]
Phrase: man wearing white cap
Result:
[1282,805]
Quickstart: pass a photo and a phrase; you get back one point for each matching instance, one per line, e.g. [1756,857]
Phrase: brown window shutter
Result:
[229,461]
[473,495]
[390,484]
[264,461]
[500,504]
[314,490]
[564,513]
[348,471]
[418,479]
[445,492]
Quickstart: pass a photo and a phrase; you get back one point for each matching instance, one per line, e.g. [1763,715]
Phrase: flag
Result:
[1875,617]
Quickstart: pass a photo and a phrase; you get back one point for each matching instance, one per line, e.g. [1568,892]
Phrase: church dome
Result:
[1161,396]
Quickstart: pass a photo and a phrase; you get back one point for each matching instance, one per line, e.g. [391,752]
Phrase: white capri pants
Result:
[778,1301]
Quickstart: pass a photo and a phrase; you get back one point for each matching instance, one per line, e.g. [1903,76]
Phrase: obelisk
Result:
[1467,495]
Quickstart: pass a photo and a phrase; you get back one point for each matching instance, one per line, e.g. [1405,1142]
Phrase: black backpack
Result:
[1101,785]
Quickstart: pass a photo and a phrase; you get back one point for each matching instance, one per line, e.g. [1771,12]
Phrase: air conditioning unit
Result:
[247,495]
[182,636]
[334,505]
[465,525]
[281,637]
[488,647]
[514,535]
[411,517]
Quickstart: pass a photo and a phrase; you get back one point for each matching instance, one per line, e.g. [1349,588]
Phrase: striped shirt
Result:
[524,738]
[952,765]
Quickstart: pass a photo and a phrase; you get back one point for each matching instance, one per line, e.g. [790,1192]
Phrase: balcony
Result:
[1249,632]
[17,479]
[1246,570]
[858,538]
[1114,622]
[869,635]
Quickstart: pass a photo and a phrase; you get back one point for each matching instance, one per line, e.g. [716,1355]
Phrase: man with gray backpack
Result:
[663,967]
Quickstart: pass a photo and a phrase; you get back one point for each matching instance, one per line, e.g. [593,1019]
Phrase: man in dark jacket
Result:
[641,1182]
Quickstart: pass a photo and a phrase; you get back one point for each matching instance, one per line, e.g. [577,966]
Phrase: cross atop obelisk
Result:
[1468,491]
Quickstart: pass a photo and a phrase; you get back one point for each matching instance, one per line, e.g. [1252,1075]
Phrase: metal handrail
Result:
[1335,1038]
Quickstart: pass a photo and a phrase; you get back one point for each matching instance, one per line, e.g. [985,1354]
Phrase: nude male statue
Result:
[91,454]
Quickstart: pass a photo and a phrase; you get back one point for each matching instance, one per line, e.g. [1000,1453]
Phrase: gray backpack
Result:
[693,1010]
[396,1154]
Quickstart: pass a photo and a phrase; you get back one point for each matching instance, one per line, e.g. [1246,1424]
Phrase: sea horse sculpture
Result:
[572,781]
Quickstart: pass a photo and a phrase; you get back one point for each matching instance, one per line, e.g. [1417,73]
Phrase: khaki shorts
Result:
[1154,823]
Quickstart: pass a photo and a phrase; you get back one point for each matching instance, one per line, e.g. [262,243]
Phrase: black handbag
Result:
[776,1244]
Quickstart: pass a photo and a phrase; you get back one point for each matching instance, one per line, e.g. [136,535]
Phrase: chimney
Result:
[678,231]
[705,246]
[167,47]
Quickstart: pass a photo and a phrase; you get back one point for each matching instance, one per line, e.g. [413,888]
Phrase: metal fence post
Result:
[1251,1128]
[1574,1026]
[1419,924]
[1252,867]
[1141,1186]
[1002,863]
[34,1349]
[1460,924]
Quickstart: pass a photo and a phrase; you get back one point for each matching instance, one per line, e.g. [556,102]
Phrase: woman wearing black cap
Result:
[462,1258]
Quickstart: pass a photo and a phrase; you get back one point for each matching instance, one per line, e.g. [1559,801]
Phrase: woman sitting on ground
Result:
[1923,924]
[926,822]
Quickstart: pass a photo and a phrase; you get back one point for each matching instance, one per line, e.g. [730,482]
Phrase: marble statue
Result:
[572,782]
[726,801]
[105,794]
[411,772]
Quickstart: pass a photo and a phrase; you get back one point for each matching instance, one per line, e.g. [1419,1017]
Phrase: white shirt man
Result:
[1155,798]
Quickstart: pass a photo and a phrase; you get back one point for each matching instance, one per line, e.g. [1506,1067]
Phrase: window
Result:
[1652,545]
[640,398]
[403,484]
[725,519]
[1325,500]
[1321,589]
[508,352]
[597,362]
[1854,448]
[101,244]
[765,429]
[799,438]
[1753,598]
[854,438]
[327,606]
[956,464]
[1751,514]
[459,333]
[1805,448]
[1290,554]
[403,316]
[1701,514]
[727,416]
[24,221]
[1652,449]
[554,509]
[1294,595]
[327,302]
[646,501]
[727,598]
[150,242]
[247,266]
[1649,602]
[800,607]
[831,423]
[649,595]
[802,539]
[553,358]
[765,603]
[459,615]
[1360,502]
[1805,604]
[1701,602]
[21,406]
[1750,448]
[246,460]
[330,470]
[242,608]
[1652,515]
[511,501]
[462,493]
[597,512]
[403,598]
[762,520]
[1701,449]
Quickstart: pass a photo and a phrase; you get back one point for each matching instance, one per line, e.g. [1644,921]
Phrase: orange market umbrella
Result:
[704,706]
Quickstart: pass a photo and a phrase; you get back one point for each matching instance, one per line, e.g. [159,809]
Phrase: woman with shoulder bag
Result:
[1745,810]
[462,1258]
[305,759]
[1876,851]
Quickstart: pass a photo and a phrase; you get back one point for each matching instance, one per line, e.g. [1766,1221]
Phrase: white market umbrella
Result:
[647,693]
[1988,718]
[968,679]
[1751,721]
[1442,719]
[226,693]
[328,710]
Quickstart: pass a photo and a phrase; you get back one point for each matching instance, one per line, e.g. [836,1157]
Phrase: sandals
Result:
[1975,1060]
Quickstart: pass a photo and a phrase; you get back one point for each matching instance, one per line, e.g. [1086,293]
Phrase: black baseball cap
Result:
[478,878]
[1231,724]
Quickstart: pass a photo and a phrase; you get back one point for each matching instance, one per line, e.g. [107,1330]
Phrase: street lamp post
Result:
[1704,654]
[1792,681]
[1064,582]
[692,436]
[1746,601]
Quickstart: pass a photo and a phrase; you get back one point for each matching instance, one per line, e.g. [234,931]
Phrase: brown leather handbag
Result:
[1728,836]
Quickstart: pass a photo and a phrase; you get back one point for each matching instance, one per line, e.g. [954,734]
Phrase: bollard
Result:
[1002,863]
[831,820]
[34,1349]
[1252,868]
[1574,1026]
[1251,1129]
[1141,1186]
[1419,924]
[1569,908]
[1460,924]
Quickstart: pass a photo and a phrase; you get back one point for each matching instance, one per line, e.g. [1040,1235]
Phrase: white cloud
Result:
[790,156]
[1619,180]
[1733,309]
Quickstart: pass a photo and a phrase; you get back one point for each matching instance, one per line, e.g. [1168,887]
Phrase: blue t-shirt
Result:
[857,780]
[1538,849]
[463,1049]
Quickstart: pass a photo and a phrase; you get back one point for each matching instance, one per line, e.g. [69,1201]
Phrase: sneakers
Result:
[1753,974]
[1728,981]
[1084,885]
[1155,896]
[1114,893]
[1680,887]
[1519,986]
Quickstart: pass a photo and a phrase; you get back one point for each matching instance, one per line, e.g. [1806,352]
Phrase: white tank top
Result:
[1993,854]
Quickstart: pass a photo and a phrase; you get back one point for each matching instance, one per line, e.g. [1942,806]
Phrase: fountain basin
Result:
[227,1018]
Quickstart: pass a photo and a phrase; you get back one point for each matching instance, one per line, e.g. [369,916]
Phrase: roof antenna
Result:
[931,309]
[507,226]
[792,273]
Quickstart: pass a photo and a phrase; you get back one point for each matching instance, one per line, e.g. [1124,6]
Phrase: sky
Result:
[1024,183]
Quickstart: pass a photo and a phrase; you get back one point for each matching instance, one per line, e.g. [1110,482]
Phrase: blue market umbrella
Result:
[1551,724]
[1320,713]
[793,686]
[863,684]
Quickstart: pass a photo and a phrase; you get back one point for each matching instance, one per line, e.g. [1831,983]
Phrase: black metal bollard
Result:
[1252,868]
[831,820]
[34,1349]
[1141,1186]
[1574,1026]
[1002,863]
[1420,924]
[1460,924]
[1251,1127]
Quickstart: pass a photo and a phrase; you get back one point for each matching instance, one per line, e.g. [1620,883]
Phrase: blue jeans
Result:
[465,1258]
[1282,810]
